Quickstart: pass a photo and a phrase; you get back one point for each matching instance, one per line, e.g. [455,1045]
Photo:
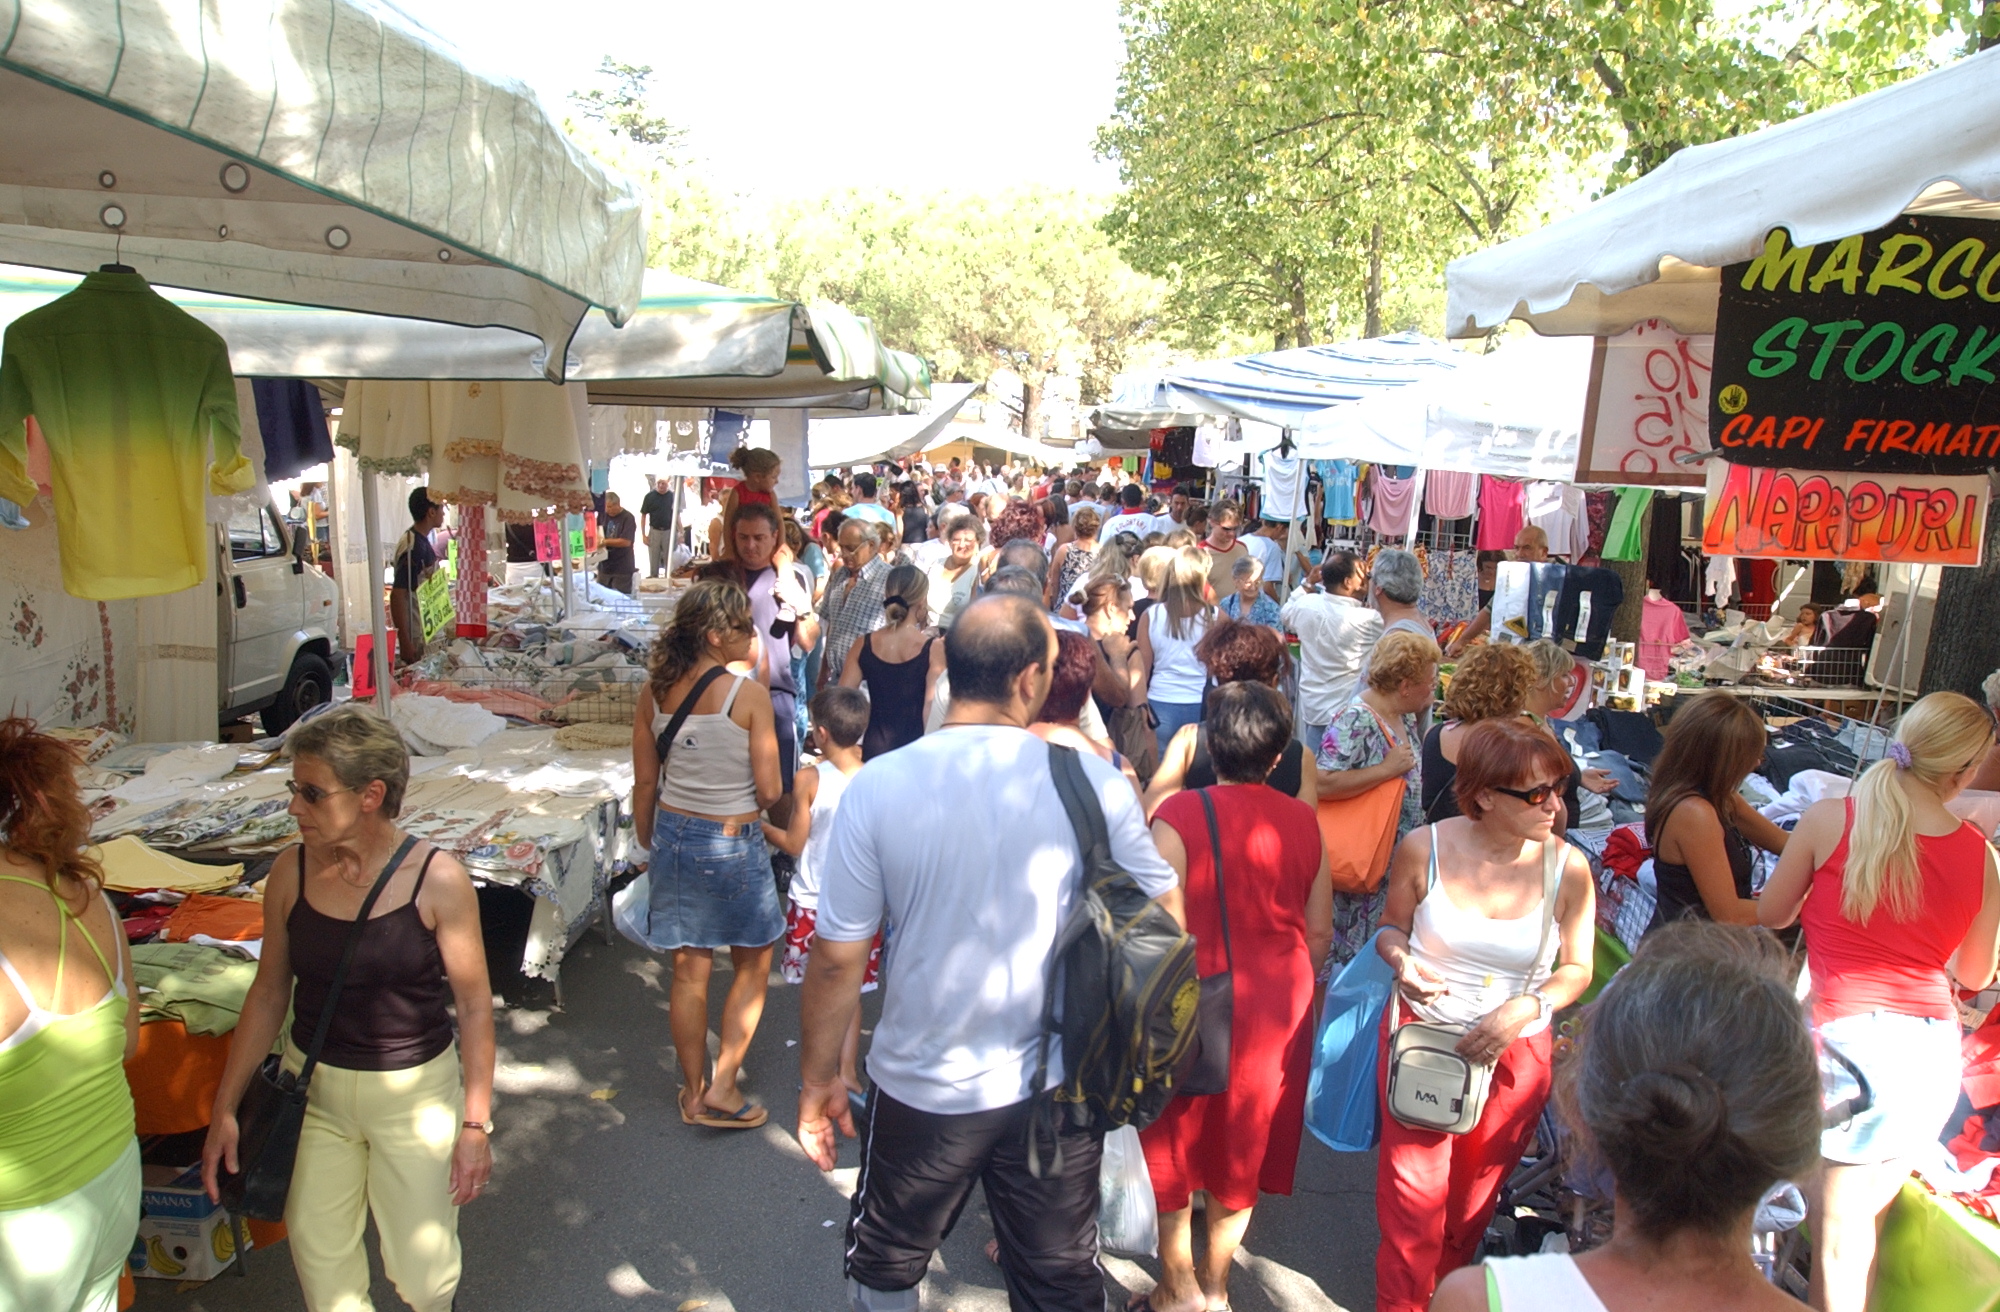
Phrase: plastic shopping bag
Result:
[632,909]
[1341,1100]
[1126,1220]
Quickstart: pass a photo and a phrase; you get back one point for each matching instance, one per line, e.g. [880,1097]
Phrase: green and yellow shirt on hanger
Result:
[128,390]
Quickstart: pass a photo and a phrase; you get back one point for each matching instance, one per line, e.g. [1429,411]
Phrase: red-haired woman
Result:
[1463,930]
[69,1164]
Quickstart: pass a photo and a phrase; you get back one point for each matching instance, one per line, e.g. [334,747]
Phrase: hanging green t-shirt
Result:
[128,389]
[1626,538]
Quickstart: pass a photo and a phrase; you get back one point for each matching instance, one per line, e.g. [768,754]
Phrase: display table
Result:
[1935,1257]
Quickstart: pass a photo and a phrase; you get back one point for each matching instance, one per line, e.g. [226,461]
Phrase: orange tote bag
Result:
[1360,831]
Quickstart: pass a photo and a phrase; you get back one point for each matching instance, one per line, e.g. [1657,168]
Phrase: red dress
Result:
[1246,1140]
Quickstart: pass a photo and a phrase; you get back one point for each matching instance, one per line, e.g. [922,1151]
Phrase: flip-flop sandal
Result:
[680,1099]
[747,1117]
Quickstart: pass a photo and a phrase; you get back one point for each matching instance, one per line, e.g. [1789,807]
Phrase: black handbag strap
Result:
[1221,896]
[665,742]
[346,953]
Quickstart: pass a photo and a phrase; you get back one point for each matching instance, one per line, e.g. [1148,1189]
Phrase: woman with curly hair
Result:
[69,1164]
[1020,521]
[1232,651]
[1492,683]
[697,813]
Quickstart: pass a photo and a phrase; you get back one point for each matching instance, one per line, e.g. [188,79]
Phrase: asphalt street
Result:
[602,1199]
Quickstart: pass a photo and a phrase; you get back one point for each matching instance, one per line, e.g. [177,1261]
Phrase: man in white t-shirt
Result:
[1131,517]
[1336,633]
[1174,518]
[961,842]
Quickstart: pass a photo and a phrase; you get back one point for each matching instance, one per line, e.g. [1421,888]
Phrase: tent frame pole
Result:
[378,616]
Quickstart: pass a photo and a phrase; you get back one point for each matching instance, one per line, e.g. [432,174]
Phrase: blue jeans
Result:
[1172,715]
[710,888]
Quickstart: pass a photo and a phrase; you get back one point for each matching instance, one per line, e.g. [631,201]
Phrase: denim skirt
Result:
[710,889]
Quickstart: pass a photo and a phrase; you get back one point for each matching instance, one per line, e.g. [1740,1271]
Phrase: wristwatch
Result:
[484,1127]
[1542,1003]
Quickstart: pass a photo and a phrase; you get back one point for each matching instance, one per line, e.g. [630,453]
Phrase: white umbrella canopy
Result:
[1516,413]
[319,152]
[1654,250]
[838,443]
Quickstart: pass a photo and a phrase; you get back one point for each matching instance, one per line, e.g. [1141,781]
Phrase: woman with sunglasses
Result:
[1461,928]
[1900,902]
[397,1117]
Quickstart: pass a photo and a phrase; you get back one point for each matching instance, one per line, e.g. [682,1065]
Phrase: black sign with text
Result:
[1878,353]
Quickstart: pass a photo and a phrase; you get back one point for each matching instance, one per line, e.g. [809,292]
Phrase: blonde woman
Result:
[1149,575]
[399,1110]
[1175,676]
[1900,900]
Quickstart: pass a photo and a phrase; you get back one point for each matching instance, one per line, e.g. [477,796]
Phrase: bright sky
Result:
[798,96]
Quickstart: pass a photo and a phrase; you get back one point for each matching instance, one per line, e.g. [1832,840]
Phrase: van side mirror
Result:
[301,545]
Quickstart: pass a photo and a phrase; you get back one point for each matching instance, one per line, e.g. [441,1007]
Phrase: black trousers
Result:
[917,1171]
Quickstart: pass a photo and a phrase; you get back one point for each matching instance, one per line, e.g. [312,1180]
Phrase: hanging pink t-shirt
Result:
[1448,493]
[1661,626]
[1500,513]
[1390,513]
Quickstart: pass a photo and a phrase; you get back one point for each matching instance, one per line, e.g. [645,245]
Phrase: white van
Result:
[277,621]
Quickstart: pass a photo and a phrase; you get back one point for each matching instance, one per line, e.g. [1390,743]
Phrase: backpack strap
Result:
[1093,845]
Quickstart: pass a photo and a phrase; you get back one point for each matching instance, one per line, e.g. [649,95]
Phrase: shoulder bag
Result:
[1205,1070]
[1360,831]
[1431,1086]
[273,1108]
[632,905]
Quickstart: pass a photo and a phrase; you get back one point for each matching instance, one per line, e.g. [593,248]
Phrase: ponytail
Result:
[42,815]
[904,589]
[1940,737]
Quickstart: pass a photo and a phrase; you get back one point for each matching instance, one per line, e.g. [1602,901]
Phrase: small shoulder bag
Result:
[1431,1086]
[273,1108]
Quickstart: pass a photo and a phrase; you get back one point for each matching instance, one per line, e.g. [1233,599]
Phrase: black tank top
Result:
[1286,776]
[895,698]
[391,1014]
[1680,899]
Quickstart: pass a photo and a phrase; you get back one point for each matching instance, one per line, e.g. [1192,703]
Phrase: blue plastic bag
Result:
[1341,1100]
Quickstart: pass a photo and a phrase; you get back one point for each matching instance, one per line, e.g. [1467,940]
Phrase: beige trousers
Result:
[377,1142]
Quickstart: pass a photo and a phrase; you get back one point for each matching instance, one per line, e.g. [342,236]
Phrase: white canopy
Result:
[1654,250]
[838,443]
[318,152]
[1516,412]
[1046,454]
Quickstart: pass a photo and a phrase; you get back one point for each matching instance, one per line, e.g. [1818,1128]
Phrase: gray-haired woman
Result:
[397,1119]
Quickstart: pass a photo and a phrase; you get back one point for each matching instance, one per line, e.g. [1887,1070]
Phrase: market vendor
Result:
[615,535]
[414,562]
[1531,544]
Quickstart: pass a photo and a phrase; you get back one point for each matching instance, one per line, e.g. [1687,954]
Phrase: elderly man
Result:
[1336,633]
[852,604]
[781,607]
[657,507]
[615,535]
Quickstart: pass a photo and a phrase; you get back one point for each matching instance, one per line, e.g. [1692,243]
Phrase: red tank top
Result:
[748,497]
[1886,964]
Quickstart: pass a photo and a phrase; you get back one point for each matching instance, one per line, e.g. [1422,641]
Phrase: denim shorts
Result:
[710,889]
[1913,1065]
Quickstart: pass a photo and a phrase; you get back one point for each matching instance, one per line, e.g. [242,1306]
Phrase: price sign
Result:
[548,540]
[576,550]
[434,604]
[451,559]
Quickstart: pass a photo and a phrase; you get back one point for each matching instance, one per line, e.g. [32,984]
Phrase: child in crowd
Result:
[760,467]
[840,718]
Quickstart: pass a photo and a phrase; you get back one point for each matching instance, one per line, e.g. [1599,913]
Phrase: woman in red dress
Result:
[1237,1144]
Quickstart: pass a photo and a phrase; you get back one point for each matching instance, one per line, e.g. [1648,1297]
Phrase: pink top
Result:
[1500,513]
[1393,497]
[1449,493]
[1886,964]
[1661,625]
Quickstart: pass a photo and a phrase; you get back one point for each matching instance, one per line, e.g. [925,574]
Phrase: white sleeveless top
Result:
[1545,1282]
[805,883]
[708,770]
[1177,677]
[1481,960]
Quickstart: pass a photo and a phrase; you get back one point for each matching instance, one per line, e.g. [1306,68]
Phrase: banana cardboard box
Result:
[182,1235]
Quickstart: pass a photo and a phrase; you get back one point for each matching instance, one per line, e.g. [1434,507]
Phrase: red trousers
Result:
[1435,1193]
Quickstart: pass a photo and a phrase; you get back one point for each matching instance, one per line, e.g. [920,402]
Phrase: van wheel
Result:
[309,684]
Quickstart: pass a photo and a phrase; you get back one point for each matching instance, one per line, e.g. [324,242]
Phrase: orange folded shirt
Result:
[232,918]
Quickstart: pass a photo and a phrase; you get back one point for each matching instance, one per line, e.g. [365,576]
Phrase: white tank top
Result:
[1545,1282]
[1177,676]
[805,883]
[1481,960]
[708,768]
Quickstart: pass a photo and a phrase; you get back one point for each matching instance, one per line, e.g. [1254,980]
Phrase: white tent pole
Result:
[1416,508]
[378,617]
[336,547]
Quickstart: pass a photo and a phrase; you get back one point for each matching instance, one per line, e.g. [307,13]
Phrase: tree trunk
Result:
[1302,331]
[1372,299]
[1031,409]
[1966,648]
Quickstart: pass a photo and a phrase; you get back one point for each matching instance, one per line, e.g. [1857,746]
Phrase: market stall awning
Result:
[1653,250]
[1516,412]
[1279,387]
[838,443]
[689,343]
[1046,454]
[317,152]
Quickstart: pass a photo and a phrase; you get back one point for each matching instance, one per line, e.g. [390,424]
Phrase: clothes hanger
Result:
[117,255]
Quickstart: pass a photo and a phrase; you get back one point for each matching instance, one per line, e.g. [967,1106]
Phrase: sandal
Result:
[747,1117]
[680,1098]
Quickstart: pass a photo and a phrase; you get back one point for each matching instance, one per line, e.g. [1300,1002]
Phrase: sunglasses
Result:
[1535,796]
[311,794]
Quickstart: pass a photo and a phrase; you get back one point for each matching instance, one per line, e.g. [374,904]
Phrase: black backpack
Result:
[1125,971]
